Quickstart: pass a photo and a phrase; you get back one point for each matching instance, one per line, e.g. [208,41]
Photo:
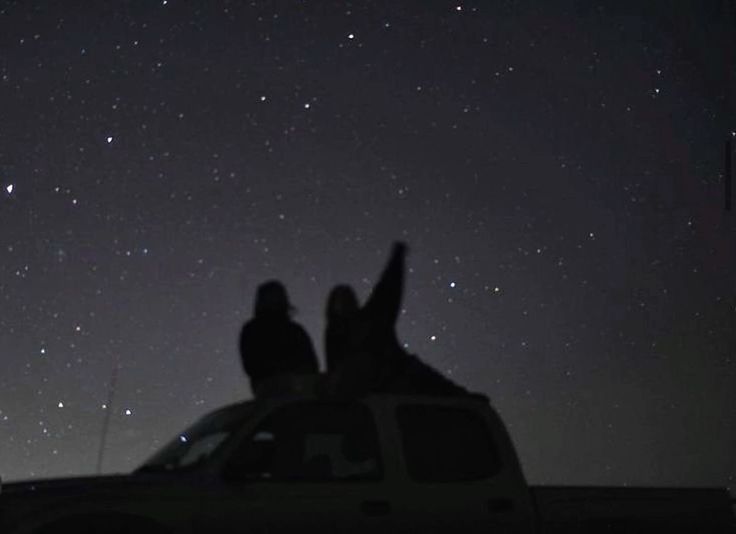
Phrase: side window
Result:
[446,444]
[311,442]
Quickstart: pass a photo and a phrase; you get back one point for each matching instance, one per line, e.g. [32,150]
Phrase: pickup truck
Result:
[382,463]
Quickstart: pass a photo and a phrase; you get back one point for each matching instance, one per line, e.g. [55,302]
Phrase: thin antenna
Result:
[727,179]
[106,421]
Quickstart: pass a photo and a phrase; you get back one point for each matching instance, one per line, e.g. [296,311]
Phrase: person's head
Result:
[272,300]
[342,302]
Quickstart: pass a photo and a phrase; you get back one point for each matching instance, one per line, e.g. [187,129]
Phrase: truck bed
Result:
[632,509]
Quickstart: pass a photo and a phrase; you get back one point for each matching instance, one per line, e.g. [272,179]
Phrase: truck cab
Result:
[302,464]
[383,463]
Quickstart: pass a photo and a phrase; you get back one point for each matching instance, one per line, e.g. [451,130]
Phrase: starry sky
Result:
[556,168]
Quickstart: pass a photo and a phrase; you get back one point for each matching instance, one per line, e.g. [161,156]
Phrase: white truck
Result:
[383,463]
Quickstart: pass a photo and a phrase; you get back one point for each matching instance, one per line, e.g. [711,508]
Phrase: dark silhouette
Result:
[342,308]
[272,346]
[361,346]
[372,327]
[360,340]
[409,375]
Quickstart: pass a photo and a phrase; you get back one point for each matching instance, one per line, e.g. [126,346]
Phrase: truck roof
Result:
[251,404]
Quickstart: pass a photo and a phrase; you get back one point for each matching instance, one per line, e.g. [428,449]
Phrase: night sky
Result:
[556,168]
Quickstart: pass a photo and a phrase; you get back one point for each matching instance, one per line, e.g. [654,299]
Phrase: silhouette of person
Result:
[342,309]
[365,334]
[272,346]
[361,346]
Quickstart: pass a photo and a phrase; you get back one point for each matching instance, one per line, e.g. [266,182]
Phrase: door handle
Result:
[499,506]
[375,508]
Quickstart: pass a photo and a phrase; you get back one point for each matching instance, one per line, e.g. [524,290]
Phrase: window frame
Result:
[247,437]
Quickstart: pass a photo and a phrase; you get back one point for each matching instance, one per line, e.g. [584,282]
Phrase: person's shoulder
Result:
[297,331]
[249,327]
[296,327]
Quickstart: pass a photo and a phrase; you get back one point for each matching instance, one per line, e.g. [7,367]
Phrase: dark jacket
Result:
[273,346]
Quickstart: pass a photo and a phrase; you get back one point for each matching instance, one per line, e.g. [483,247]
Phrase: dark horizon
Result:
[557,171]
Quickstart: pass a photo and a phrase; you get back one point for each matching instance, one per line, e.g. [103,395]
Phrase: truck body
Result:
[383,463]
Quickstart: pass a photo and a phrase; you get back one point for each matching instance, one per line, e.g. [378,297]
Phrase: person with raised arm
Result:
[361,345]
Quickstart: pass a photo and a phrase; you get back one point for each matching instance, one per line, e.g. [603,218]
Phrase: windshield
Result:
[197,443]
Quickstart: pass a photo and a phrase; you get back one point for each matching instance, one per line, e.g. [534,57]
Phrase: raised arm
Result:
[384,303]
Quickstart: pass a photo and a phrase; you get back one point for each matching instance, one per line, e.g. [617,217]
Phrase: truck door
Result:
[455,480]
[308,467]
